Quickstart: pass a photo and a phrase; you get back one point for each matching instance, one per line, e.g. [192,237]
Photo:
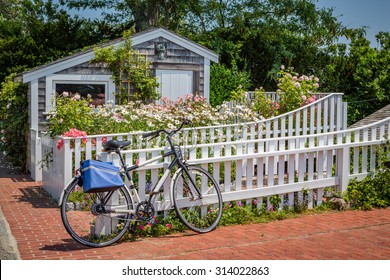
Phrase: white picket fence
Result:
[298,167]
[301,150]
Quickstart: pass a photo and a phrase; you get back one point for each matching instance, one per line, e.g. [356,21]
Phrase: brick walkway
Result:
[352,235]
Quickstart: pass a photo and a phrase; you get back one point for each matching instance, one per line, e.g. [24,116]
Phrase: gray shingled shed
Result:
[181,66]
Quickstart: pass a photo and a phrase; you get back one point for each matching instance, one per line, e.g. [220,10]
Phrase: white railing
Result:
[325,115]
[276,96]
[293,168]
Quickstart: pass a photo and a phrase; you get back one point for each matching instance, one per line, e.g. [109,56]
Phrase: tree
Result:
[142,14]
[36,32]
[260,36]
[371,79]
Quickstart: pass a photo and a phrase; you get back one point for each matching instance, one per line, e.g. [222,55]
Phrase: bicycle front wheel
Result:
[96,219]
[199,210]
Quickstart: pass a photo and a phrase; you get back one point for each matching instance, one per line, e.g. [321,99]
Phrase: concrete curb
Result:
[8,246]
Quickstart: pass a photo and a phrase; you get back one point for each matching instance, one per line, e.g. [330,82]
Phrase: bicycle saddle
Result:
[113,145]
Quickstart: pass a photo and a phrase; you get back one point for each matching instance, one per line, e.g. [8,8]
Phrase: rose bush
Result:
[295,90]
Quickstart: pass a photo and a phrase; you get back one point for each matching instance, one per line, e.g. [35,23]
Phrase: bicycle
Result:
[101,218]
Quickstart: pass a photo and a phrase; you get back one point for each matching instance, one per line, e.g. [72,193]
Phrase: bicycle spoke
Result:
[96,219]
[199,213]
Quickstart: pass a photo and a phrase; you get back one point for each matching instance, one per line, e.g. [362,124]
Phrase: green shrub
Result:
[14,122]
[373,191]
[72,111]
[295,90]
[224,82]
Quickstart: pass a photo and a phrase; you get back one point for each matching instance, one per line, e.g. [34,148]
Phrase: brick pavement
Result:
[36,225]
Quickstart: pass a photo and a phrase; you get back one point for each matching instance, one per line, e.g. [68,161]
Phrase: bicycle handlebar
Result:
[156,133]
[152,133]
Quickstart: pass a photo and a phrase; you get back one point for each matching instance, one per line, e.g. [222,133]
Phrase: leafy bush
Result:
[225,81]
[295,90]
[14,122]
[373,191]
[72,111]
[264,105]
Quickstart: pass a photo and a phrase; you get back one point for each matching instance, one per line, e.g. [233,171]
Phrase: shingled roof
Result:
[374,117]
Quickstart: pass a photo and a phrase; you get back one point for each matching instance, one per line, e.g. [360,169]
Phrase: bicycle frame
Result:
[127,169]
[176,161]
[105,215]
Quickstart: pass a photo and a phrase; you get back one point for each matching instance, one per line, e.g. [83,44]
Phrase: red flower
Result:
[73,132]
[60,143]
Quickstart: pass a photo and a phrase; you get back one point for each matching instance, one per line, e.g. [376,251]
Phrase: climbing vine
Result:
[131,71]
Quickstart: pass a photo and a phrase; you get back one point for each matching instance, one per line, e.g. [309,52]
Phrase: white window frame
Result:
[54,79]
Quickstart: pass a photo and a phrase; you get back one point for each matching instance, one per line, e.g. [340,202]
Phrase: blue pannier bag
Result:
[99,176]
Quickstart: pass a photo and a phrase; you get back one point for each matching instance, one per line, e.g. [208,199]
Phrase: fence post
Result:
[67,164]
[35,155]
[342,168]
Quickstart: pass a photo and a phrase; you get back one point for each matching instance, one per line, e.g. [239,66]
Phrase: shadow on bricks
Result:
[37,197]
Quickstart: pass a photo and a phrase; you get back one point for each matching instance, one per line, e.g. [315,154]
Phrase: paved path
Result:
[36,225]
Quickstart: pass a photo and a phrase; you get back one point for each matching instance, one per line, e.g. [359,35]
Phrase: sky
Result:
[375,14]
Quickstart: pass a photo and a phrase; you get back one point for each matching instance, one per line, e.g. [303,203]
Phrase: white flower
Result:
[134,117]
[76,96]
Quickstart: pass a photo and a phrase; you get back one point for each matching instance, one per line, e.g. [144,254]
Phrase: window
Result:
[100,87]
[96,91]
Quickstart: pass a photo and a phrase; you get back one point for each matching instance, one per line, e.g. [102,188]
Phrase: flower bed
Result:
[77,117]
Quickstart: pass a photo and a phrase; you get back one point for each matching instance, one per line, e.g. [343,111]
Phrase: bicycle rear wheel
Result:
[200,214]
[96,219]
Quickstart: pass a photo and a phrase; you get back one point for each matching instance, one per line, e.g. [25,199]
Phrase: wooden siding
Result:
[177,58]
[42,103]
[87,68]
